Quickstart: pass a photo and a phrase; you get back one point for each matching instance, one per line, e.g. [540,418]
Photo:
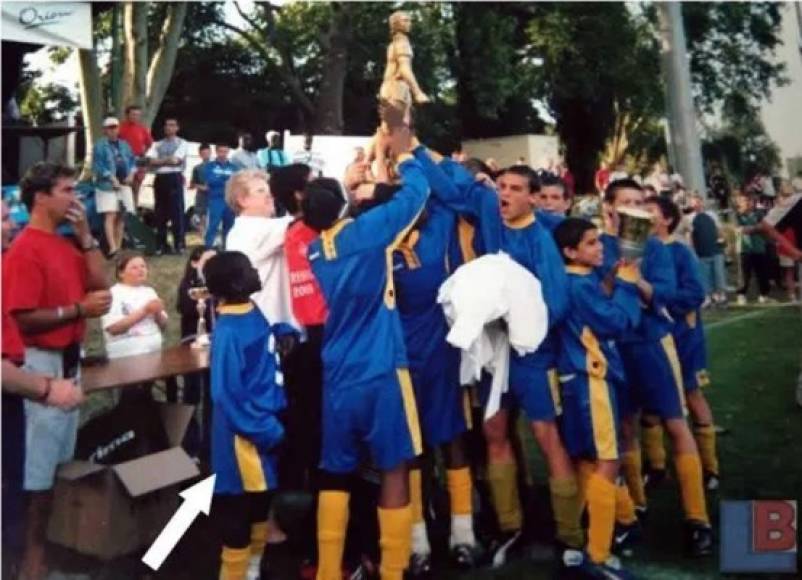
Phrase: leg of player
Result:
[460,492]
[332,523]
[395,522]
[705,433]
[654,449]
[631,463]
[565,497]
[699,537]
[420,560]
[502,477]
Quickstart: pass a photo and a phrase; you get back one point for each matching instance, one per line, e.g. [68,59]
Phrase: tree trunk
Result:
[161,68]
[329,106]
[136,54]
[91,104]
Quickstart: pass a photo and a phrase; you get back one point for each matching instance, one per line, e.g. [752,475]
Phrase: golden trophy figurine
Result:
[200,295]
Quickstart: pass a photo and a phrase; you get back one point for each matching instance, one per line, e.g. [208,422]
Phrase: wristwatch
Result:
[93,245]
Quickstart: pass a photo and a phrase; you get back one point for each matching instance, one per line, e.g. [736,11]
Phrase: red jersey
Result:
[602,178]
[44,270]
[308,304]
[13,347]
[137,136]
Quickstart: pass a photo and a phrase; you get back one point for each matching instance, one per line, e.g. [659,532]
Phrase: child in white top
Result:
[137,317]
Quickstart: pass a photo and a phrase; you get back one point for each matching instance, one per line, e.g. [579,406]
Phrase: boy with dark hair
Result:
[287,184]
[247,392]
[368,401]
[198,183]
[592,377]
[653,371]
[689,336]
[553,197]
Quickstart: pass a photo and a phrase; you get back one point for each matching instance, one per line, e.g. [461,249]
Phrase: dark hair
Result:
[285,181]
[570,232]
[475,165]
[549,179]
[40,178]
[231,277]
[124,259]
[203,146]
[669,209]
[614,186]
[194,255]
[130,108]
[168,119]
[526,172]
[322,203]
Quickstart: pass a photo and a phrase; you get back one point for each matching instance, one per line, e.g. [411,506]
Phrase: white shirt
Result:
[244,159]
[262,240]
[157,151]
[144,336]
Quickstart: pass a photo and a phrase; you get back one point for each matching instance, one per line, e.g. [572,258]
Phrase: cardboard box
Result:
[108,511]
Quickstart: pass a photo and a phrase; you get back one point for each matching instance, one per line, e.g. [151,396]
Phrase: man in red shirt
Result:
[51,286]
[138,137]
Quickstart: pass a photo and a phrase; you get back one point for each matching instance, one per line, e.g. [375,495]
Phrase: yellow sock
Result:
[332,521]
[395,526]
[584,470]
[565,503]
[258,538]
[705,436]
[653,445]
[234,563]
[689,473]
[460,490]
[504,488]
[631,466]
[416,495]
[601,517]
[624,506]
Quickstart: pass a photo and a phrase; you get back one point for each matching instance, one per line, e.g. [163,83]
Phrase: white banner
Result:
[49,23]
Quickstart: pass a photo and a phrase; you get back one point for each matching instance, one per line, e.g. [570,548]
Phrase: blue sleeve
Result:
[690,293]
[380,226]
[248,417]
[100,165]
[608,317]
[658,270]
[553,279]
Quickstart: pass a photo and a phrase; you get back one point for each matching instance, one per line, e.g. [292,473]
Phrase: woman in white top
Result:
[137,317]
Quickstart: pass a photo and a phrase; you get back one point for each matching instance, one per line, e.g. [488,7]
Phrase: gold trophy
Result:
[634,228]
[200,294]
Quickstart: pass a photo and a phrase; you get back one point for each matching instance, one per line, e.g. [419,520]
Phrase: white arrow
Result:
[197,498]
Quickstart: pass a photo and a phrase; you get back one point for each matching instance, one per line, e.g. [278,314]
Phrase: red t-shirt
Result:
[308,304]
[44,270]
[603,178]
[137,136]
[13,347]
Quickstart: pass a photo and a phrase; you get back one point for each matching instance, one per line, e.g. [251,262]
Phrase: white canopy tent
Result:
[48,23]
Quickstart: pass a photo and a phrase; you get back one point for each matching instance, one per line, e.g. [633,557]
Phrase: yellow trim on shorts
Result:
[602,419]
[250,465]
[670,348]
[410,409]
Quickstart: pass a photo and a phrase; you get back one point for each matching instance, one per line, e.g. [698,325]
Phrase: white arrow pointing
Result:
[197,498]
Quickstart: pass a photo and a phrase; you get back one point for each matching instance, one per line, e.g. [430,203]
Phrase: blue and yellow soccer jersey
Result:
[247,395]
[689,333]
[591,371]
[368,398]
[530,244]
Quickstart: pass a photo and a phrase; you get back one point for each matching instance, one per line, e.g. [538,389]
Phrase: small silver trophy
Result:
[200,294]
[635,226]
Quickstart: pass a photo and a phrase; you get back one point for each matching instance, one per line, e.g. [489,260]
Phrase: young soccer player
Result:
[689,336]
[247,395]
[368,401]
[653,372]
[507,222]
[592,376]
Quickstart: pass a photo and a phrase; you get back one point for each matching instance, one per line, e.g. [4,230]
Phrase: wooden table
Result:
[143,368]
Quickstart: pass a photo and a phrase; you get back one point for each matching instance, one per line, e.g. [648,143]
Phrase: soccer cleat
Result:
[641,512]
[698,539]
[465,556]
[506,546]
[420,566]
[712,481]
[578,565]
[625,537]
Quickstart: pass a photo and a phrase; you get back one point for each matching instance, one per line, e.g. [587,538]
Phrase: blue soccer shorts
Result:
[589,424]
[654,377]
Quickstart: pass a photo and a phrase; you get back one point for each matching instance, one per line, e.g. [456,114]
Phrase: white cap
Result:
[111,122]
[270,134]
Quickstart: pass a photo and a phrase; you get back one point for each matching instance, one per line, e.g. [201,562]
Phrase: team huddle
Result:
[622,361]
